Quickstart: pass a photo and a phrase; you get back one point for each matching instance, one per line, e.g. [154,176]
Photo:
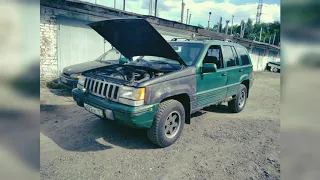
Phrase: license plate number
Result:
[63,79]
[93,110]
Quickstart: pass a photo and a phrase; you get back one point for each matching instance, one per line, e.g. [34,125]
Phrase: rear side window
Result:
[243,55]
[228,56]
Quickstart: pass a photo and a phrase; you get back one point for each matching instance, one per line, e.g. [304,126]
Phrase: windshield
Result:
[111,55]
[189,52]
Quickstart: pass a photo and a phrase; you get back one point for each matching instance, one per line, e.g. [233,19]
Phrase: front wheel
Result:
[236,105]
[168,123]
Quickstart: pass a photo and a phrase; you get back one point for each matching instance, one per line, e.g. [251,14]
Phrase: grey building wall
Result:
[48,45]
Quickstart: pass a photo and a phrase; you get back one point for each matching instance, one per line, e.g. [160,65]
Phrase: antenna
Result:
[259,12]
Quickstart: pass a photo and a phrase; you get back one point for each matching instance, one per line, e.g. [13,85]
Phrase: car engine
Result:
[126,73]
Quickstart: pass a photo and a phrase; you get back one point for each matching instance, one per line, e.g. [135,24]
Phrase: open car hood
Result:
[135,37]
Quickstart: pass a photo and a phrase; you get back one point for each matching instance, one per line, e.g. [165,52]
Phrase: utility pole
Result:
[264,39]
[227,22]
[232,24]
[260,34]
[259,12]
[243,27]
[269,39]
[150,7]
[182,10]
[124,5]
[209,20]
[155,8]
[114,4]
[219,25]
[187,16]
[274,37]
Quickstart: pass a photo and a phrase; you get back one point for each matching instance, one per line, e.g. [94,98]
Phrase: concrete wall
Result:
[48,45]
[260,57]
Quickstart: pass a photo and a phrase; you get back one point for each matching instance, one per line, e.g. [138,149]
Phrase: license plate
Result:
[93,110]
[63,79]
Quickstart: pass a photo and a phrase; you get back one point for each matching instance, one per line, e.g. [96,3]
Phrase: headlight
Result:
[75,76]
[132,96]
[81,80]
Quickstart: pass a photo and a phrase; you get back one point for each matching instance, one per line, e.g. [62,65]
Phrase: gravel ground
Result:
[216,145]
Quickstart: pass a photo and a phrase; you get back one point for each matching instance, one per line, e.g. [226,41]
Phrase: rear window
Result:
[242,53]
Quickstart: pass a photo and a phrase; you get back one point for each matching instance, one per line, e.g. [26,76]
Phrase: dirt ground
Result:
[216,145]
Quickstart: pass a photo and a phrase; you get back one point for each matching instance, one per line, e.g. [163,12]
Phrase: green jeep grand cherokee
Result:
[167,83]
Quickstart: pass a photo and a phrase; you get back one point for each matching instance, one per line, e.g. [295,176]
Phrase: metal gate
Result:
[78,43]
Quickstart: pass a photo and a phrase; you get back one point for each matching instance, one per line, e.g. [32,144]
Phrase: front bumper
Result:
[68,82]
[138,117]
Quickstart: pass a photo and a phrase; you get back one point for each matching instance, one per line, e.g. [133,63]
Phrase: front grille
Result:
[102,89]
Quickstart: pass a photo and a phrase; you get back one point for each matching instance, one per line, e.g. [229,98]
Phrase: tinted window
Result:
[243,55]
[236,56]
[228,56]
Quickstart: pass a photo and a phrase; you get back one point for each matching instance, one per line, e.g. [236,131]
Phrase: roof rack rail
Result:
[175,39]
[202,38]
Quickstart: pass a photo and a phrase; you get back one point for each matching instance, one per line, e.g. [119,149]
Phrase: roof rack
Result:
[175,39]
[202,38]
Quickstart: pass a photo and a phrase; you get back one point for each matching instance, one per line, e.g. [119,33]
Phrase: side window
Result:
[214,56]
[228,56]
[236,56]
[243,55]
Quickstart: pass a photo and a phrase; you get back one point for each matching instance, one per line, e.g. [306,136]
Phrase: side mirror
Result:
[209,67]
[123,60]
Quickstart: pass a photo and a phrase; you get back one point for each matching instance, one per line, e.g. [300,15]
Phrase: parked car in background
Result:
[273,67]
[71,74]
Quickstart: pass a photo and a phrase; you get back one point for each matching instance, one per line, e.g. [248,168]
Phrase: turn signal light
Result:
[142,93]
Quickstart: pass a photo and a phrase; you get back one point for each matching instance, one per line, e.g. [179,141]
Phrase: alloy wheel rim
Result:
[172,124]
[242,99]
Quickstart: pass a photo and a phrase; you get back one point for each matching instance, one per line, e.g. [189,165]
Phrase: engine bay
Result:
[125,73]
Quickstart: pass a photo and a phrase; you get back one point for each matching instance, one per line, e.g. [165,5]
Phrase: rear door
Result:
[233,69]
[245,59]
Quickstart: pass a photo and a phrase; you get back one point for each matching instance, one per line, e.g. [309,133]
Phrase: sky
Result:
[171,9]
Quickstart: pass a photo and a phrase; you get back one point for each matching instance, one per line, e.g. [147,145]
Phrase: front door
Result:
[211,87]
[234,70]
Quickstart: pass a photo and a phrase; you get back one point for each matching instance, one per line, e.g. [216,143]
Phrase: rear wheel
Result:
[168,123]
[236,105]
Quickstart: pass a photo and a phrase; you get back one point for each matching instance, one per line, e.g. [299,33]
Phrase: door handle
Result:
[224,74]
[241,70]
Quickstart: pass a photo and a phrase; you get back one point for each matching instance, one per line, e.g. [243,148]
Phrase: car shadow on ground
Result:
[223,109]
[74,129]
[61,92]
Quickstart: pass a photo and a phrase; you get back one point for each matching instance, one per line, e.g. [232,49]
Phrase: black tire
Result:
[157,133]
[275,70]
[236,105]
